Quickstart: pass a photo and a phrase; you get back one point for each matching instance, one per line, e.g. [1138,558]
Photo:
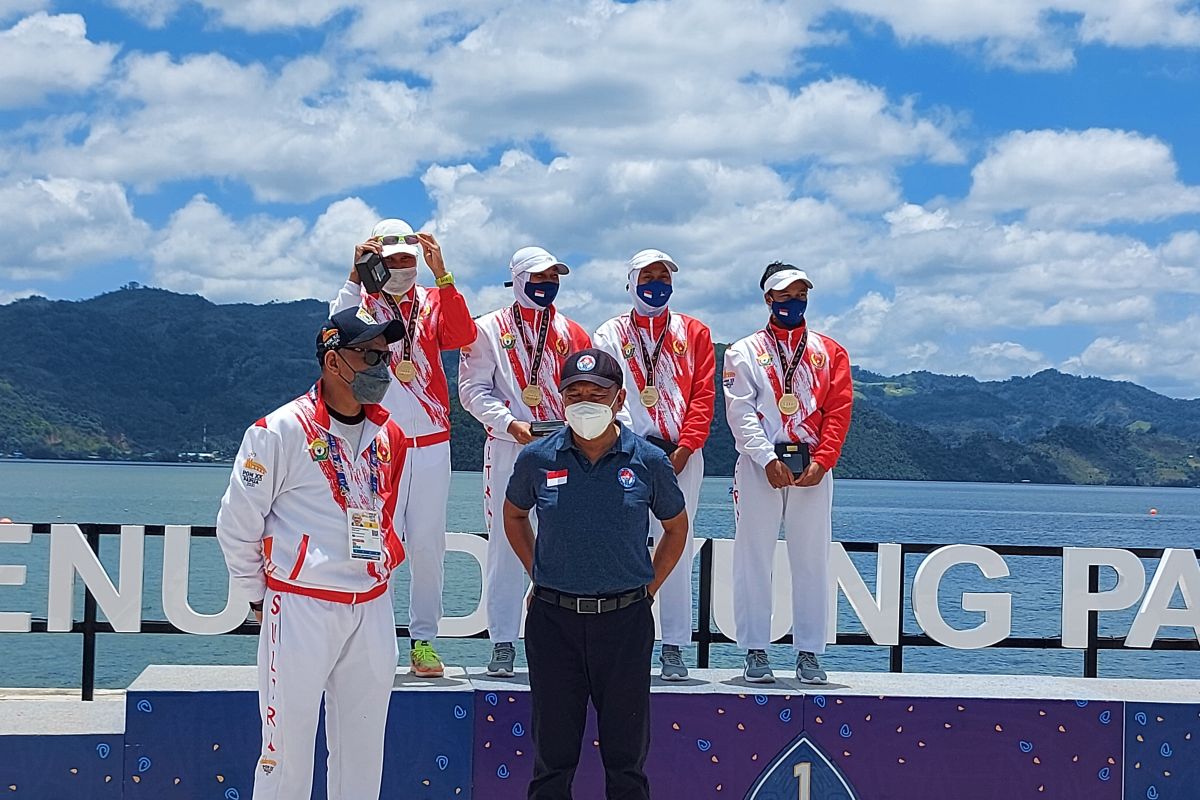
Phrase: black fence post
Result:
[1091,656]
[704,615]
[88,687]
[896,651]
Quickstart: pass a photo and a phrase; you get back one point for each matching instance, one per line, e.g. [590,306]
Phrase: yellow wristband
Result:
[445,280]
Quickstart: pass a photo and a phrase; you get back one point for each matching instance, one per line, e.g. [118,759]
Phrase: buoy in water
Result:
[1154,512]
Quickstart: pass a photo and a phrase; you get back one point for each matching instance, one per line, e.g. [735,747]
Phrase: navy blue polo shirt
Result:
[593,519]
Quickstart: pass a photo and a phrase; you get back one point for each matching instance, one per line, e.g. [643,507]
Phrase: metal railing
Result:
[704,636]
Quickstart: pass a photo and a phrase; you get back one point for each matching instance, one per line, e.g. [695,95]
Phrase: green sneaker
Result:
[425,661]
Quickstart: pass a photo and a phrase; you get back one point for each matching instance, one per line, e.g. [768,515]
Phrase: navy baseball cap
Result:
[592,365]
[355,326]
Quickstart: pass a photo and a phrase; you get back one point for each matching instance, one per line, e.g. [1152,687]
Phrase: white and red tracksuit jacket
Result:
[685,375]
[753,381]
[495,369]
[420,407]
[282,522]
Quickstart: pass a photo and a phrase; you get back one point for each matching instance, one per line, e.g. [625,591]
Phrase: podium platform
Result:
[193,732]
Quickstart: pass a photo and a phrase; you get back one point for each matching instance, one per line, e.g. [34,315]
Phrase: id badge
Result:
[366,536]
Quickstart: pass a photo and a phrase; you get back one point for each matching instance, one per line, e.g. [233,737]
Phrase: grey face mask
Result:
[371,384]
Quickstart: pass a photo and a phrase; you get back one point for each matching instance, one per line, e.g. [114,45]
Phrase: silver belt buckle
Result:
[587,605]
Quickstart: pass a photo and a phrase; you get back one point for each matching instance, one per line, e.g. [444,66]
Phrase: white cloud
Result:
[45,54]
[203,250]
[858,190]
[294,135]
[1072,177]
[53,227]
[1156,354]
[1002,360]
[1036,34]
[721,224]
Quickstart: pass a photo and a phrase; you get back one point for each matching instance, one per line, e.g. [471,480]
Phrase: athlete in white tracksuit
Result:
[676,406]
[496,387]
[763,411]
[420,405]
[303,475]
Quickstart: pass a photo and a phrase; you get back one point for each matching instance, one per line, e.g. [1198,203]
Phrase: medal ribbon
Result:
[335,455]
[789,368]
[535,356]
[650,360]
[410,325]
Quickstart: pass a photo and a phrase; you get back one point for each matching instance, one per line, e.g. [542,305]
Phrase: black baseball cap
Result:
[592,365]
[355,326]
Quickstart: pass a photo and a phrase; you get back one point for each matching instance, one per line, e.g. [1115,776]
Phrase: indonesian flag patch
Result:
[556,477]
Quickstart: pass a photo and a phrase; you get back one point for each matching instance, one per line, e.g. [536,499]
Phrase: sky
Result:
[988,188]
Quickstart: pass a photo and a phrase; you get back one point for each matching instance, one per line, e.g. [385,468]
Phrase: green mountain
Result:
[148,374]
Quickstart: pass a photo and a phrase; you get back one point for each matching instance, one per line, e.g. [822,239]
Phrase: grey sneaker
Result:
[758,667]
[504,656]
[808,669]
[673,668]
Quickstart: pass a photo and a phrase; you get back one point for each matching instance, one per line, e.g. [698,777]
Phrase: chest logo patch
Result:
[626,478]
[627,349]
[765,359]
[383,450]
[561,346]
[679,346]
[556,477]
[817,360]
[318,450]
[508,341]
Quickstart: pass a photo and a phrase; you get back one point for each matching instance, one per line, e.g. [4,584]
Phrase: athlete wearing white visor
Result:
[670,388]
[508,380]
[788,396]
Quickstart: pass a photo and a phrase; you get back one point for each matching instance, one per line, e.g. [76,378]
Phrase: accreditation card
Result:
[366,534]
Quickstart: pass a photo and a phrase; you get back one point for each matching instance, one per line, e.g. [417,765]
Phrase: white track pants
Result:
[505,583]
[424,491]
[309,648]
[806,516]
[674,599]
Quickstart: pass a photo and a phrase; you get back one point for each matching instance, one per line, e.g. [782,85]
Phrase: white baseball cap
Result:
[535,259]
[644,258]
[784,278]
[395,227]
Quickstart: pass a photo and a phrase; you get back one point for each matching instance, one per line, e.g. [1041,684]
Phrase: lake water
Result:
[875,511]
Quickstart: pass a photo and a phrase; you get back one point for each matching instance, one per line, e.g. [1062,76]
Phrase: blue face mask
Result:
[541,293]
[790,313]
[654,294]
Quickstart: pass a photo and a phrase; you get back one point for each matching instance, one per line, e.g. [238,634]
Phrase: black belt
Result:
[589,605]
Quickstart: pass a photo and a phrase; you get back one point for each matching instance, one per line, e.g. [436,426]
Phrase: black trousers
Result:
[573,657]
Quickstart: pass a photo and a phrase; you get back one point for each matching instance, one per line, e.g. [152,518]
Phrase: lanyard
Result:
[789,368]
[410,325]
[650,360]
[543,330]
[335,455]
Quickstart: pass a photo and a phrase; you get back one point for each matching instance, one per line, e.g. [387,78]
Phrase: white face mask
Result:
[401,281]
[589,420]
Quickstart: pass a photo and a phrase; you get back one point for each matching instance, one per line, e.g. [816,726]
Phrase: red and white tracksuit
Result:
[491,376]
[753,380]
[421,408]
[685,377]
[328,626]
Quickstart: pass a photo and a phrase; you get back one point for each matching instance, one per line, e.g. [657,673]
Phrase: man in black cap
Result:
[307,531]
[590,630]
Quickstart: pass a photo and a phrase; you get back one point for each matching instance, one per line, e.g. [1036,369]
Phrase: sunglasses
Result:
[387,241]
[372,357]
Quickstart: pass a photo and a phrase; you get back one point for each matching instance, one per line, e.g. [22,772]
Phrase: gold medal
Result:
[532,396]
[789,404]
[406,371]
[649,396]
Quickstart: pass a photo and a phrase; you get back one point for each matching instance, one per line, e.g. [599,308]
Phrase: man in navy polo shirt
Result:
[590,631]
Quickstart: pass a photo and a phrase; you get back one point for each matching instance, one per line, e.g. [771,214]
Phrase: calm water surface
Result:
[875,511]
